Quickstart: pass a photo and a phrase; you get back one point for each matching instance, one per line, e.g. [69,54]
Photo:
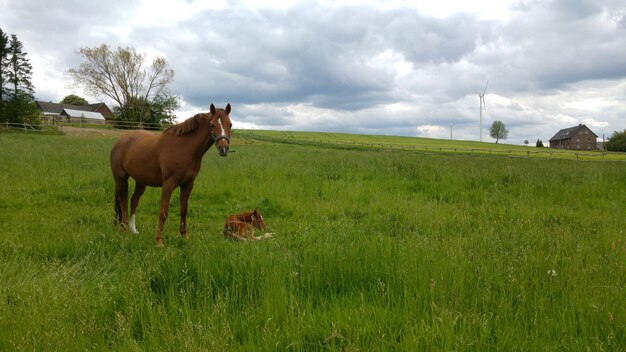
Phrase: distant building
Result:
[578,138]
[78,116]
[91,113]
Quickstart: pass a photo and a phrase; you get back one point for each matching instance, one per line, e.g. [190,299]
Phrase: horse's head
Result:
[220,128]
[257,220]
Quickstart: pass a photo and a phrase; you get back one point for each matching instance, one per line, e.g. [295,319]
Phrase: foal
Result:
[241,226]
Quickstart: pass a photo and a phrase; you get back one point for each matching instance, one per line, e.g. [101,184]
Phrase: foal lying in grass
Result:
[241,226]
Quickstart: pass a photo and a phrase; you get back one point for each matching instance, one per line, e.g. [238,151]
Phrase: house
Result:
[578,137]
[91,113]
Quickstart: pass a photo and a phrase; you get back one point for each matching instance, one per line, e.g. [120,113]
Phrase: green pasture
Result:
[374,250]
[427,145]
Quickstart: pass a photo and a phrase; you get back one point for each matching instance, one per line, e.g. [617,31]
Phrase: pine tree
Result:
[4,74]
[20,70]
[20,98]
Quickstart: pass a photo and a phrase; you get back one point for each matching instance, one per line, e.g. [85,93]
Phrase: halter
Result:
[216,139]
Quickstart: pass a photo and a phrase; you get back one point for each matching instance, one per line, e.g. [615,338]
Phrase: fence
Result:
[109,124]
[288,139]
[59,125]
[27,127]
[544,153]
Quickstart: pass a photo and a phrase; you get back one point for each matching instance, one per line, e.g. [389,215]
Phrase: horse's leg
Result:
[185,192]
[134,202]
[166,194]
[233,229]
[121,197]
[246,231]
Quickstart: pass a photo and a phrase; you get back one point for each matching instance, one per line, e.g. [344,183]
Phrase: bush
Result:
[617,142]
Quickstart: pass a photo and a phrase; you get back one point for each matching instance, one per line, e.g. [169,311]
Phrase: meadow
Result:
[373,250]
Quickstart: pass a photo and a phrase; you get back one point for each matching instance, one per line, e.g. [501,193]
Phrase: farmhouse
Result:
[98,113]
[578,137]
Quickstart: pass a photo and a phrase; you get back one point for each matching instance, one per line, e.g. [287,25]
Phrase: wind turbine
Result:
[481,97]
[451,125]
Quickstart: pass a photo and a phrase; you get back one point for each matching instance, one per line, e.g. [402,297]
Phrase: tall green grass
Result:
[372,251]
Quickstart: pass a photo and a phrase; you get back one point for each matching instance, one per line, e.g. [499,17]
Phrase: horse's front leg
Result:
[185,192]
[166,194]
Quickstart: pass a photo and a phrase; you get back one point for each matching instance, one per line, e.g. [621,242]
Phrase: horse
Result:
[241,226]
[169,160]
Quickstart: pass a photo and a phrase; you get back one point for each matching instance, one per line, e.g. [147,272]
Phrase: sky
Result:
[389,67]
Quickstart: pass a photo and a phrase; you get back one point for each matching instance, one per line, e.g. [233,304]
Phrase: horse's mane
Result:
[187,126]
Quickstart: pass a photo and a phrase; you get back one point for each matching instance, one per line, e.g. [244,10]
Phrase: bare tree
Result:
[122,76]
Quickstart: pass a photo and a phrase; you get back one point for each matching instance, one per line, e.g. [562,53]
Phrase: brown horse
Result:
[241,226]
[169,160]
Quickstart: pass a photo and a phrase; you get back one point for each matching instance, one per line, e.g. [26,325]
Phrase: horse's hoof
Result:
[160,243]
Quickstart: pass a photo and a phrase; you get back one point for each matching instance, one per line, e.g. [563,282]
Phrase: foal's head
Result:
[257,220]
[220,128]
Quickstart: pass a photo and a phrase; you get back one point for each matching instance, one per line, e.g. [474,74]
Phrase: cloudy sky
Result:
[388,67]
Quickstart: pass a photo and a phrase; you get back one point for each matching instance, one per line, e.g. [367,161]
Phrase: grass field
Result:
[373,250]
[427,145]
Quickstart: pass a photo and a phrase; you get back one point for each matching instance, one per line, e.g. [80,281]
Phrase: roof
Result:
[567,133]
[80,113]
[56,109]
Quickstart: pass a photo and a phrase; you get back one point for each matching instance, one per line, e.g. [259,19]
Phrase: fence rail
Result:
[120,125]
[341,144]
[27,127]
[544,153]
[110,125]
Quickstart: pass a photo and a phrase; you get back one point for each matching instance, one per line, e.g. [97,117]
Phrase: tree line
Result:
[140,94]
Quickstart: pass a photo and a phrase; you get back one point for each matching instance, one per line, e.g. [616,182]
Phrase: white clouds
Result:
[164,13]
[347,65]
[390,59]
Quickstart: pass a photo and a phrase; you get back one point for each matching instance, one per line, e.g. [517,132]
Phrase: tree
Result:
[17,89]
[4,73]
[526,141]
[498,131]
[157,113]
[162,109]
[74,99]
[20,70]
[617,142]
[539,143]
[22,109]
[121,75]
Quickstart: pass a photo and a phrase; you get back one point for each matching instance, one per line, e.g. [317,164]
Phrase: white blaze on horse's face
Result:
[220,128]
